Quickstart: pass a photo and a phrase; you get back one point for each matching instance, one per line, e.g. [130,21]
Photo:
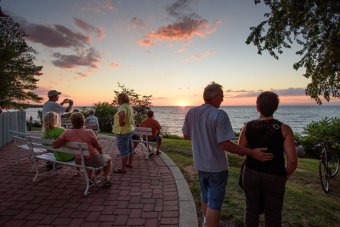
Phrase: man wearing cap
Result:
[52,105]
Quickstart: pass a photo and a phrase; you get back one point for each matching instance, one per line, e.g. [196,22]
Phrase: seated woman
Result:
[52,130]
[79,134]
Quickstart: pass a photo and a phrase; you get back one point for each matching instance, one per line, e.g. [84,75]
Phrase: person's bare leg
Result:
[130,159]
[107,169]
[213,218]
[204,211]
[124,161]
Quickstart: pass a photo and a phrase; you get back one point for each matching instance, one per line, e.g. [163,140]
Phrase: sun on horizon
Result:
[183,103]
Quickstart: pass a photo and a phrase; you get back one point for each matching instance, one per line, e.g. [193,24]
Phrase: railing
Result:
[15,121]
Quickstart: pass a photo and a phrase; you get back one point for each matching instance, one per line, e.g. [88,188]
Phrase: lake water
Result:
[172,117]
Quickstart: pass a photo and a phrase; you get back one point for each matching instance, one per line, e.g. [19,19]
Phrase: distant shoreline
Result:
[285,105]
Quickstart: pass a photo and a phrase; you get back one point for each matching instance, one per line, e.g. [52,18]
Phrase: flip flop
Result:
[106,183]
[119,171]
[129,166]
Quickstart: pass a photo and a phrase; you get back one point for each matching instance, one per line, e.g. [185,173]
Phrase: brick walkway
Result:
[147,195]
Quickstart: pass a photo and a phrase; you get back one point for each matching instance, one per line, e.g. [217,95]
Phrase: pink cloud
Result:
[89,27]
[200,56]
[82,74]
[90,58]
[185,29]
[137,23]
[114,65]
[145,42]
[54,35]
[98,6]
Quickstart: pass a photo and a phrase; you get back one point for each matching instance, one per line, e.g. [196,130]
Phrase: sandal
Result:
[119,171]
[129,166]
[106,183]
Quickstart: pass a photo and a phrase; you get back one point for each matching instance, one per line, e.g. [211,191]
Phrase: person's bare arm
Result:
[242,140]
[290,149]
[186,137]
[61,140]
[257,153]
[96,143]
[70,104]
[122,119]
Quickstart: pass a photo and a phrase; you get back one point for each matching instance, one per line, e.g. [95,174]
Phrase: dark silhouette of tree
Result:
[17,69]
[315,26]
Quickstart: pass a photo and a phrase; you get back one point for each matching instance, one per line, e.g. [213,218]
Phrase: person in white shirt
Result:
[52,106]
[92,120]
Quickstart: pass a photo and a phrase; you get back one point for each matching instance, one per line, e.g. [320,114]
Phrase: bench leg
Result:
[89,182]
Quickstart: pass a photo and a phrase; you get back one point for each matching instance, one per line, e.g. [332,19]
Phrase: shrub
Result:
[317,132]
[105,113]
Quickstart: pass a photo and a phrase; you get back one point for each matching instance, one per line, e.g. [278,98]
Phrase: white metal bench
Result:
[20,142]
[76,148]
[144,134]
[68,125]
[92,126]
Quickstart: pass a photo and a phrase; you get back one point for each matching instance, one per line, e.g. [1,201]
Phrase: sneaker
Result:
[49,166]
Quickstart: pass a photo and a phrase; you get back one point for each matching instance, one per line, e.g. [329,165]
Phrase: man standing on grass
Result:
[210,130]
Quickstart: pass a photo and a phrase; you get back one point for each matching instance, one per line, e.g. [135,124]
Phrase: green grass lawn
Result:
[305,203]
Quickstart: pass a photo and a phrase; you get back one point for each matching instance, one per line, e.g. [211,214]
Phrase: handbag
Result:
[264,139]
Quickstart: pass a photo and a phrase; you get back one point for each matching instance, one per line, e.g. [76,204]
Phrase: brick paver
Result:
[145,196]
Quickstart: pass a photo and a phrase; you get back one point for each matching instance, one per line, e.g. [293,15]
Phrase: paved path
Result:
[152,193]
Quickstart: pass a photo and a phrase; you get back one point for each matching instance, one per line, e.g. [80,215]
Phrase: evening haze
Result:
[165,48]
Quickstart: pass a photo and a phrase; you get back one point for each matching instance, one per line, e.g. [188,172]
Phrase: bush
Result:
[105,113]
[315,133]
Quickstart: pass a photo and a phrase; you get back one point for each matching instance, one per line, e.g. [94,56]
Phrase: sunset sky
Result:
[170,49]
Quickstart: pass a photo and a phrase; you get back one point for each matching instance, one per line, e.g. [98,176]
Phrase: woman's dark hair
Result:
[149,113]
[267,103]
[77,120]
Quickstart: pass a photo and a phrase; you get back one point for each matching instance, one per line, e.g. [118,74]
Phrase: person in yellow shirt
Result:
[123,128]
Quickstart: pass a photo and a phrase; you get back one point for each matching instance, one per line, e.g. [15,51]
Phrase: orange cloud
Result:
[145,42]
[114,65]
[200,56]
[89,28]
[184,29]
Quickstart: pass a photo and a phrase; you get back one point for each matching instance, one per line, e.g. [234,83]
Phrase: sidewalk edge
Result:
[187,208]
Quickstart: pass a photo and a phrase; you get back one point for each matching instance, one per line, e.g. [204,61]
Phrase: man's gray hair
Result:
[212,91]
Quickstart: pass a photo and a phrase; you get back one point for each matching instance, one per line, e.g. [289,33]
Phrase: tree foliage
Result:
[140,103]
[17,69]
[105,113]
[315,26]
[318,132]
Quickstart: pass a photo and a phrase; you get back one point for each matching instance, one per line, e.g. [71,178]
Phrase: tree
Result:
[315,26]
[17,69]
[140,104]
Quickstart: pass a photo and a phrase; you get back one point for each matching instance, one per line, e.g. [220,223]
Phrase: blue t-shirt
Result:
[208,126]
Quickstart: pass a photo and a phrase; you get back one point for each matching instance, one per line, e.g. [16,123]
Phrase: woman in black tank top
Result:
[264,182]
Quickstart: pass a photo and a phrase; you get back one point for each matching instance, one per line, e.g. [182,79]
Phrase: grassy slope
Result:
[305,202]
